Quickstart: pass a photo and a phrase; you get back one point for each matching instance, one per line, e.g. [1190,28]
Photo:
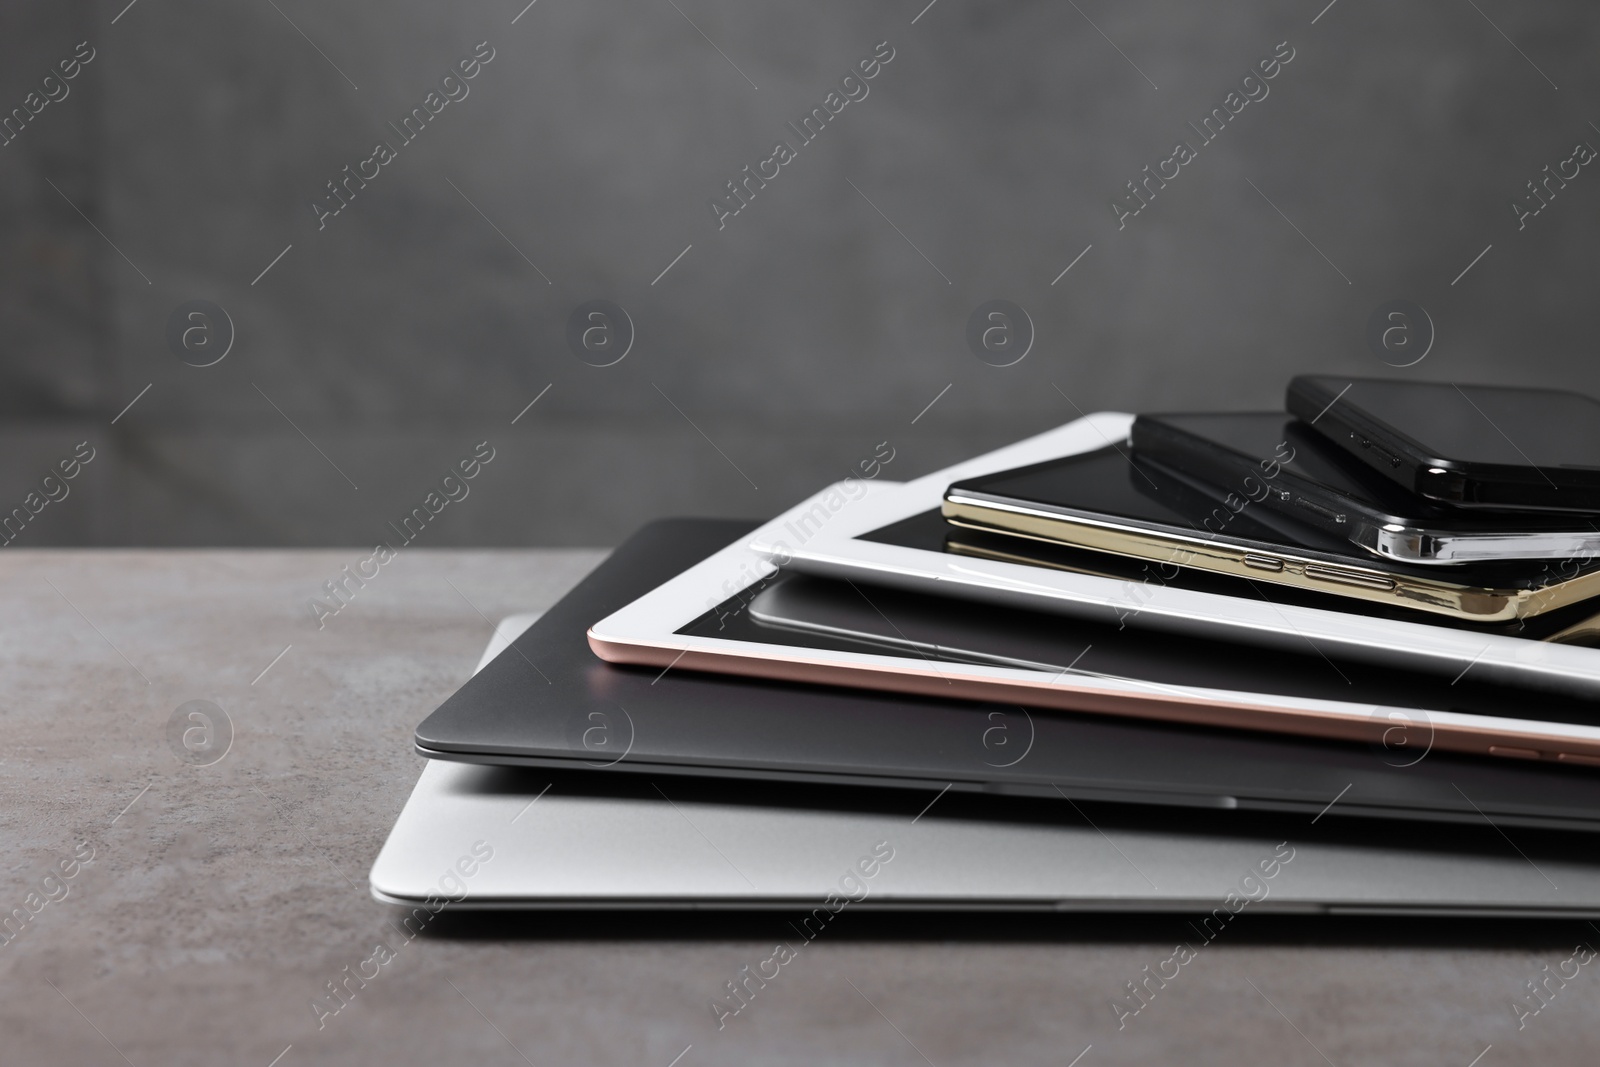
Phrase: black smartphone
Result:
[1467,446]
[1284,465]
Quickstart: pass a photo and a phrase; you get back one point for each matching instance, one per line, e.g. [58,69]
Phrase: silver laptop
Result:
[499,838]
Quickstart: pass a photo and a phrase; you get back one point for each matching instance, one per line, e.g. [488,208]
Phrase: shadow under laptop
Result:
[956,925]
[1262,906]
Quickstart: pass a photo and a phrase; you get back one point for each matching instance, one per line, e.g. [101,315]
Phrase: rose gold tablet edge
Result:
[1196,711]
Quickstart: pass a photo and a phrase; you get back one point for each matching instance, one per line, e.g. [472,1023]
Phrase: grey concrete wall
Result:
[814,324]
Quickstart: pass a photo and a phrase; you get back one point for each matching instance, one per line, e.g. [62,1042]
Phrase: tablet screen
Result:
[809,612]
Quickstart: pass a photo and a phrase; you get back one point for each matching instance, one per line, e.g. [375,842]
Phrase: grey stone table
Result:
[219,899]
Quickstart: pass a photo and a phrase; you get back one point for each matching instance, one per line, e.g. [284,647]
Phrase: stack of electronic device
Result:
[1117,665]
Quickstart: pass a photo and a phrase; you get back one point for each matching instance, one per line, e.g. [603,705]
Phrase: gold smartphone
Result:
[1110,502]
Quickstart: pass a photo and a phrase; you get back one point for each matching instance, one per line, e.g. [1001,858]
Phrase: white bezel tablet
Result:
[837,550]
[646,633]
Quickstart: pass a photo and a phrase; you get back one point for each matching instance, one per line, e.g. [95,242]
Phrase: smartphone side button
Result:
[1394,460]
[1577,757]
[1317,509]
[1515,753]
[1263,563]
[1365,579]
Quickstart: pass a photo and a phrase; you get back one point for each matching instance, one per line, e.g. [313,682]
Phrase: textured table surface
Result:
[221,898]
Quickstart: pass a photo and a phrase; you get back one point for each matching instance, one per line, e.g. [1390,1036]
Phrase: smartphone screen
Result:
[1483,424]
[1109,482]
